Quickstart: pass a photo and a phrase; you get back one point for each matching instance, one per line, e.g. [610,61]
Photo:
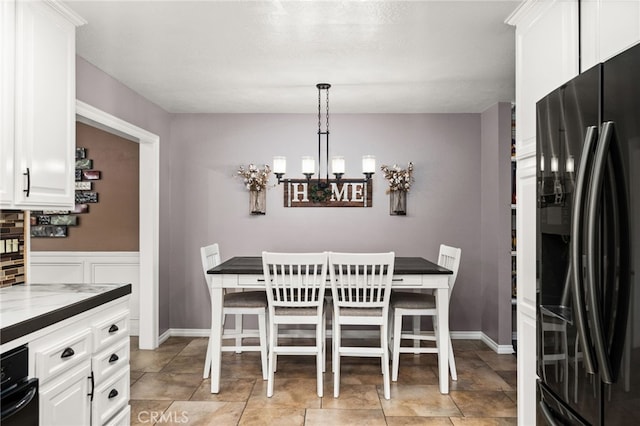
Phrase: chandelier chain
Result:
[327,110]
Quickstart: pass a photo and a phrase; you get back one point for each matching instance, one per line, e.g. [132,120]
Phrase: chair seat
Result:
[246,299]
[361,312]
[408,300]
[310,311]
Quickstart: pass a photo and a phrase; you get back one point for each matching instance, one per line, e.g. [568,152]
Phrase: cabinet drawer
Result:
[110,330]
[110,397]
[107,362]
[251,281]
[123,418]
[406,280]
[62,356]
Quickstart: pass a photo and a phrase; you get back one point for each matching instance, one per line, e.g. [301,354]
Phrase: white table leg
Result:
[442,302]
[216,337]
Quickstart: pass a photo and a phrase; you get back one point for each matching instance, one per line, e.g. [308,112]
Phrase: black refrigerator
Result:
[588,247]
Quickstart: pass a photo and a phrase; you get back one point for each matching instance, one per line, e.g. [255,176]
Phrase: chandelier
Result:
[337,162]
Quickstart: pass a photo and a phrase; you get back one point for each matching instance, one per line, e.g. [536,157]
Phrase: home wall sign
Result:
[54,223]
[331,193]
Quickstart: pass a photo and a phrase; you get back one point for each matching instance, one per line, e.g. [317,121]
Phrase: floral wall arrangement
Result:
[256,181]
[400,181]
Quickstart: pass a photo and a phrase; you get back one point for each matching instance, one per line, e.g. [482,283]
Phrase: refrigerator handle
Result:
[577,219]
[595,196]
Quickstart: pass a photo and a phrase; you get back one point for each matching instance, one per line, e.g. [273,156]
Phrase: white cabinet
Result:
[64,401]
[546,57]
[83,367]
[608,27]
[39,110]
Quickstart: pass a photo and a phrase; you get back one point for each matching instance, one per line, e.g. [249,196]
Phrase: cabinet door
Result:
[608,27]
[44,107]
[546,57]
[7,60]
[65,401]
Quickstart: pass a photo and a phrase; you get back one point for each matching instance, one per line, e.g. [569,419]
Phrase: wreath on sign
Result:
[318,194]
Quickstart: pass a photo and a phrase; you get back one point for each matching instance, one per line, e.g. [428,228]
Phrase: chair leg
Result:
[395,357]
[324,342]
[416,331]
[452,362]
[336,360]
[333,342]
[262,329]
[238,330]
[273,336]
[319,358]
[385,361]
[207,361]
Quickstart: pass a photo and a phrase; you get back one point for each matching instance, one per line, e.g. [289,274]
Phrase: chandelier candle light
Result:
[337,162]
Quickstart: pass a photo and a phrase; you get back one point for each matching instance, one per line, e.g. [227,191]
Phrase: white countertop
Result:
[44,303]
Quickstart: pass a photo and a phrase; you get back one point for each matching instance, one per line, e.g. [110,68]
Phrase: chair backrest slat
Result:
[210,257]
[449,257]
[361,279]
[295,279]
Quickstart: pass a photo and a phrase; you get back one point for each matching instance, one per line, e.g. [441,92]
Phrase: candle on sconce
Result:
[542,162]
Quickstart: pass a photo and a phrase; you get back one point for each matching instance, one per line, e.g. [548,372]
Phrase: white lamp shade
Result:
[368,164]
[308,165]
[280,164]
[554,164]
[337,165]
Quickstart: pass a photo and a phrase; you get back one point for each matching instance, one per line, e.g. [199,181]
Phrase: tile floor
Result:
[167,388]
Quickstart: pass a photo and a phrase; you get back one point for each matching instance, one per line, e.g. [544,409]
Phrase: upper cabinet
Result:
[608,27]
[38,107]
[546,57]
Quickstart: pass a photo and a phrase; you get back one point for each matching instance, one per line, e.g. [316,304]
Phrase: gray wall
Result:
[201,200]
[443,205]
[100,90]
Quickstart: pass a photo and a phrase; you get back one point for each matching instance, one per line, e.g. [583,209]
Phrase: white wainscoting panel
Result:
[90,268]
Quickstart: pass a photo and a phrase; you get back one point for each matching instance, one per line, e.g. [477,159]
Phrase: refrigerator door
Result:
[567,121]
[620,239]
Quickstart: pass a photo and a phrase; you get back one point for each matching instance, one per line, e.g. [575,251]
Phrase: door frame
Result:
[149,212]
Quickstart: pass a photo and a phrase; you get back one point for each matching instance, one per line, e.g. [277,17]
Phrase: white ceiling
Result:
[267,56]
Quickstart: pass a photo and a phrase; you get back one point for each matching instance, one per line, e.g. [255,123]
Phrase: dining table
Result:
[417,273]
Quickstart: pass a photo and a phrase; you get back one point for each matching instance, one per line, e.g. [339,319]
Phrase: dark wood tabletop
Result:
[249,265]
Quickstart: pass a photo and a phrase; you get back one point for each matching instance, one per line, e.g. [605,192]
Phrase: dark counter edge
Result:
[23,328]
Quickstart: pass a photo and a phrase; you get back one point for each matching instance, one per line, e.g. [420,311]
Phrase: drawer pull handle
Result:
[113,328]
[397,279]
[68,352]
[113,358]
[113,393]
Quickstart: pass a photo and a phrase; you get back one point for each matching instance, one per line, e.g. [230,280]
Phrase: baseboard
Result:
[456,335]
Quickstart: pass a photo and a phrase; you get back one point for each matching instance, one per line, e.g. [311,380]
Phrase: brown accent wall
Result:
[112,222]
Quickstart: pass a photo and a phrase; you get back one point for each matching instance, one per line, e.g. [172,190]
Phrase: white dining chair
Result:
[416,305]
[361,289]
[295,285]
[238,304]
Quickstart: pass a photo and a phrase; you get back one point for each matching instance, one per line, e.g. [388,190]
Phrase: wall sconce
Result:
[337,162]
